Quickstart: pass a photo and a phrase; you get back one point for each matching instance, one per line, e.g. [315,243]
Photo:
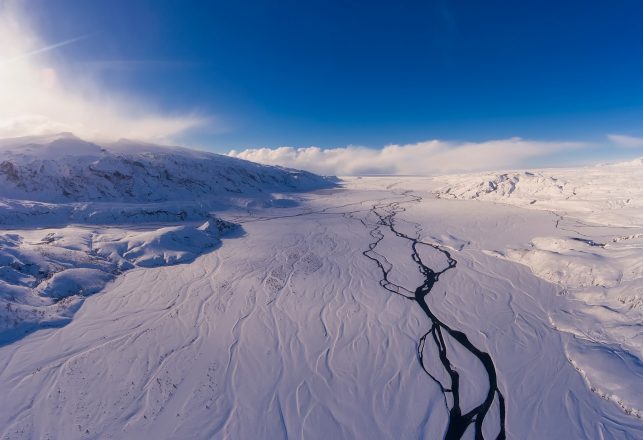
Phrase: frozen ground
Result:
[75,214]
[596,256]
[388,308]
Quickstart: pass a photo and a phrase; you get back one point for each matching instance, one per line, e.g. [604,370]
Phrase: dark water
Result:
[458,421]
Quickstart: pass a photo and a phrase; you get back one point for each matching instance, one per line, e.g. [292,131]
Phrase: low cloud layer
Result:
[36,97]
[624,141]
[424,158]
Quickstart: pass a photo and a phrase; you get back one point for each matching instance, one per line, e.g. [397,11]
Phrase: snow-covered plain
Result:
[344,312]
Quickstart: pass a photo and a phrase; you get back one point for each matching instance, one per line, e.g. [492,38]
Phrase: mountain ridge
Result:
[64,168]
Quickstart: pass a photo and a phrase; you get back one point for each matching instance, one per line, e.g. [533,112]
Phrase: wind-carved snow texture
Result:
[596,256]
[290,331]
[100,211]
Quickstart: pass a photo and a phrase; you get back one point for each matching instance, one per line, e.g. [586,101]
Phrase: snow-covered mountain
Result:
[63,168]
[75,214]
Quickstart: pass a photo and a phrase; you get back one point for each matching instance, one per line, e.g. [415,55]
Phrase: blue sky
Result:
[337,73]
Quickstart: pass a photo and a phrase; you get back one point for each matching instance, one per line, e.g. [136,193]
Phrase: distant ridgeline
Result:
[63,168]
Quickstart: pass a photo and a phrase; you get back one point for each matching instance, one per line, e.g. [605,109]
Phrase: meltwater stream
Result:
[459,421]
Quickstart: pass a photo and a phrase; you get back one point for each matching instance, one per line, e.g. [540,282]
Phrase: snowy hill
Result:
[64,168]
[604,193]
[75,214]
[595,255]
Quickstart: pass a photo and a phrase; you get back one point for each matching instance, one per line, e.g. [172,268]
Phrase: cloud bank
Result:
[424,158]
[624,141]
[36,97]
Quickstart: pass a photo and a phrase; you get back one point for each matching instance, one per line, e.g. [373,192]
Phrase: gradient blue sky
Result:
[334,73]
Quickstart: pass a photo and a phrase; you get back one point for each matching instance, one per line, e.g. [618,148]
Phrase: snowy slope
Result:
[100,210]
[67,169]
[596,256]
[607,194]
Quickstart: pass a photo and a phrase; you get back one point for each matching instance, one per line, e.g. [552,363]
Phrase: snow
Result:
[606,194]
[596,256]
[68,169]
[281,326]
[73,281]
[76,214]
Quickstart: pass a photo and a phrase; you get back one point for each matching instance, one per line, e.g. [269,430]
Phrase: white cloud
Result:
[624,141]
[424,158]
[37,98]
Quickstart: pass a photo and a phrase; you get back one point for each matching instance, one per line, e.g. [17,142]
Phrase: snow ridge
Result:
[68,169]
[500,186]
